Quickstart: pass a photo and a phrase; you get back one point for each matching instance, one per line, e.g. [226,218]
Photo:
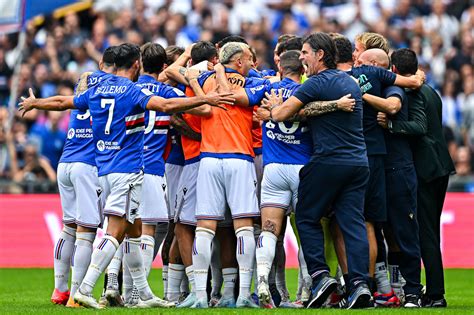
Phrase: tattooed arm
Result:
[178,122]
[316,108]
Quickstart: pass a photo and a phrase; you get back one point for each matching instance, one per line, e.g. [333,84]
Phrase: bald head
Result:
[374,57]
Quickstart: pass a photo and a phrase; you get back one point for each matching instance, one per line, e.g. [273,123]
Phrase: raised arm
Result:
[412,82]
[390,105]
[55,103]
[177,70]
[240,95]
[203,110]
[181,104]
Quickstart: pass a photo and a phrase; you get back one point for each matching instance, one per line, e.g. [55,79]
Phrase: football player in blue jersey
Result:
[118,108]
[80,192]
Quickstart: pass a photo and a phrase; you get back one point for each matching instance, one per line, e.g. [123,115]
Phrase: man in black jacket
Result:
[433,166]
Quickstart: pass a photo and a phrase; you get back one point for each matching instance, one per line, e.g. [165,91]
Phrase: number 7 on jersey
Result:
[103,103]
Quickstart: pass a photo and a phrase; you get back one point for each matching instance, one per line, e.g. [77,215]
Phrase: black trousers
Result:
[430,205]
[342,188]
[402,222]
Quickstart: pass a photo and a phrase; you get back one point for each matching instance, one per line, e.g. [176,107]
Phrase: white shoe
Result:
[226,302]
[154,302]
[264,295]
[188,301]
[200,303]
[245,302]
[87,301]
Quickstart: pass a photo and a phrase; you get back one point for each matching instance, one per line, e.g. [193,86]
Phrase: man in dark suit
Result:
[433,166]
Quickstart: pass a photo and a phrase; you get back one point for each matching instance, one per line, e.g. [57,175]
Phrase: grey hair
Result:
[231,49]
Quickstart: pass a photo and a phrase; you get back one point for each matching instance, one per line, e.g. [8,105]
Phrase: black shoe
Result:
[321,290]
[359,297]
[426,301]
[412,301]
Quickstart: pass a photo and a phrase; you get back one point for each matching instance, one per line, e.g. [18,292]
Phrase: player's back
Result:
[79,143]
[227,132]
[286,142]
[157,126]
[117,106]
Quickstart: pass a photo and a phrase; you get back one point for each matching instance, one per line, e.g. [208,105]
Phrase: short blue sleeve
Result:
[386,77]
[257,93]
[254,74]
[142,96]
[394,91]
[81,101]
[308,91]
[171,92]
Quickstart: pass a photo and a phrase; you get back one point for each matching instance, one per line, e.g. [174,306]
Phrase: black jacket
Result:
[430,152]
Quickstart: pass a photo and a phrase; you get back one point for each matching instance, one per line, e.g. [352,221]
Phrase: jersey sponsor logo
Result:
[135,123]
[285,133]
[70,133]
[100,145]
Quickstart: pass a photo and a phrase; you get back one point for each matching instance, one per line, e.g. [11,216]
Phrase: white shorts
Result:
[280,185]
[226,181]
[153,208]
[185,211]
[123,192]
[80,194]
[258,162]
[172,174]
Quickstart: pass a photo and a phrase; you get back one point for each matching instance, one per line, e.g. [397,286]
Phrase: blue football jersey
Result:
[117,106]
[157,126]
[283,142]
[176,155]
[79,146]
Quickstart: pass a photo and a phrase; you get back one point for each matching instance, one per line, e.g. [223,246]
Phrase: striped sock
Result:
[245,257]
[81,258]
[101,257]
[62,258]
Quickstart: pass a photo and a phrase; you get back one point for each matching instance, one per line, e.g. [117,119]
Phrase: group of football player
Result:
[199,153]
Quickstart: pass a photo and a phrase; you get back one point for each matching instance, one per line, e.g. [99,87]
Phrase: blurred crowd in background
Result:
[58,50]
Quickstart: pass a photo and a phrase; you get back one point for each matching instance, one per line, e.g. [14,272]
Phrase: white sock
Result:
[307,280]
[164,277]
[216,268]
[62,258]
[184,287]
[280,277]
[230,277]
[300,285]
[148,246]
[381,278]
[175,276]
[101,257]
[132,256]
[265,253]
[127,283]
[113,269]
[245,256]
[81,258]
[190,276]
[396,279]
[202,259]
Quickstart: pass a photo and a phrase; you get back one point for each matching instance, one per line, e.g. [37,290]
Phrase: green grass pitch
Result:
[27,291]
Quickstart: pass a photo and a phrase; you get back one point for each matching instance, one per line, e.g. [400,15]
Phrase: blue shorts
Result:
[375,205]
